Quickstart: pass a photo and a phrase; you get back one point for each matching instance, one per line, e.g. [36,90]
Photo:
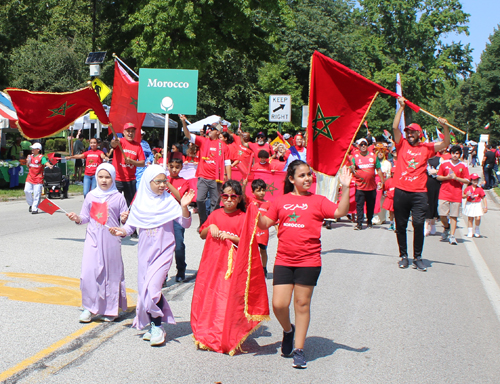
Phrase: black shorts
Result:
[262,246]
[78,163]
[295,275]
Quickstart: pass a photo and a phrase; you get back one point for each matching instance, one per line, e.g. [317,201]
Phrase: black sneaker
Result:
[29,210]
[419,265]
[180,279]
[299,359]
[34,212]
[287,343]
[403,263]
[358,228]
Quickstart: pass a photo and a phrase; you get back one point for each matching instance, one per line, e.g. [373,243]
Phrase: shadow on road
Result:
[70,239]
[317,347]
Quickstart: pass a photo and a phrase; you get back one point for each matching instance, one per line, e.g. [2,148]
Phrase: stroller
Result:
[55,184]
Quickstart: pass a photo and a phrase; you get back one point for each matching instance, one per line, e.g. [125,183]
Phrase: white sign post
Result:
[280,107]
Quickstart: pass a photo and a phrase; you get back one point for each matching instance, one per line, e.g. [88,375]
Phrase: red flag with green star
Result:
[48,206]
[99,212]
[124,102]
[43,114]
[339,100]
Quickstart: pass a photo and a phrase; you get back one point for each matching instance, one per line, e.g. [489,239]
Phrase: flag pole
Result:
[448,124]
[117,138]
[126,66]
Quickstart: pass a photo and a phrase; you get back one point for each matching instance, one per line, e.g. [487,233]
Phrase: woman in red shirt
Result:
[298,261]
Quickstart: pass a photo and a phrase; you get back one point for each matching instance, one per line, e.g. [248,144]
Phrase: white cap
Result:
[286,136]
[142,132]
[36,146]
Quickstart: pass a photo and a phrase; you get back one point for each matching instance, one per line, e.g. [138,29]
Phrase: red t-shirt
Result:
[476,194]
[256,148]
[242,153]
[209,151]
[133,150]
[299,231]
[451,190]
[231,223]
[365,167]
[411,167]
[92,161]
[180,183]
[35,165]
[262,167]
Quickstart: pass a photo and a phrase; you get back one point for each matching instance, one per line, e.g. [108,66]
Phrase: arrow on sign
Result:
[282,106]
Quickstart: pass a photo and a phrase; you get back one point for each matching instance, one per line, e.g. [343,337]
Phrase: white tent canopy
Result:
[198,126]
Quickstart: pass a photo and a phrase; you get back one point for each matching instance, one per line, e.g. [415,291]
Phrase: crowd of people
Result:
[401,176]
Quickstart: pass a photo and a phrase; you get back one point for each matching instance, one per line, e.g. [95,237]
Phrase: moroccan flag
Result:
[124,102]
[48,206]
[43,114]
[487,126]
[339,101]
[52,158]
[230,294]
[439,134]
[99,212]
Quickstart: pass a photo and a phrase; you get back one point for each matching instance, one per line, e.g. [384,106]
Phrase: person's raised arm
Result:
[345,181]
[184,126]
[396,133]
[265,222]
[446,132]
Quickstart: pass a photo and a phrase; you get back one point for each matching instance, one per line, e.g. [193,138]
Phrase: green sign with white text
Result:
[168,91]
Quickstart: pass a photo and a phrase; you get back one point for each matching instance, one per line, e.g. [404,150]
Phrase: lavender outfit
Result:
[102,281]
[155,253]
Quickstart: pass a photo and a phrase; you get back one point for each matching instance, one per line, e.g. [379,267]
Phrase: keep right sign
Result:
[280,107]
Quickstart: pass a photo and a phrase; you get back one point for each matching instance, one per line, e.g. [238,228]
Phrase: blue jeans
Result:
[89,183]
[180,250]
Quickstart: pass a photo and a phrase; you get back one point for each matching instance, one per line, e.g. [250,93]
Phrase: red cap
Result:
[414,127]
[129,126]
[474,176]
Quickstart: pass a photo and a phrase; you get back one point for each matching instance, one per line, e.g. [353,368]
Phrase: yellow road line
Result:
[47,351]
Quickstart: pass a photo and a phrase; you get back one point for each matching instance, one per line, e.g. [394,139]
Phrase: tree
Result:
[480,94]
[404,36]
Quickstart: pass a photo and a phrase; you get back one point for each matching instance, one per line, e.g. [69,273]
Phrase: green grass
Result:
[18,192]
[497,191]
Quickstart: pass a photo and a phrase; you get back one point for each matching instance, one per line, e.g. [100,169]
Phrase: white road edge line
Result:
[489,283]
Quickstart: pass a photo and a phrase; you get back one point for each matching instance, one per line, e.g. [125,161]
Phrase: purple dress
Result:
[155,253]
[102,281]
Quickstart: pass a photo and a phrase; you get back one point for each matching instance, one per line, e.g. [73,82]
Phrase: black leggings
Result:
[404,204]
[157,320]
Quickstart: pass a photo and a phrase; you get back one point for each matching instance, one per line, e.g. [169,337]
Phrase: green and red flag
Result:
[487,126]
[99,212]
[124,102]
[43,114]
[339,101]
[48,206]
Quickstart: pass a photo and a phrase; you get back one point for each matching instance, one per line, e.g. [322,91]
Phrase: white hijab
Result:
[98,192]
[150,210]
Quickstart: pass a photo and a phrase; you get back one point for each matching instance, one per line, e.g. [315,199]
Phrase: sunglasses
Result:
[159,182]
[363,145]
[226,196]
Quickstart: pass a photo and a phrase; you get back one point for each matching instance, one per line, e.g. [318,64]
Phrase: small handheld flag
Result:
[99,212]
[487,126]
[49,207]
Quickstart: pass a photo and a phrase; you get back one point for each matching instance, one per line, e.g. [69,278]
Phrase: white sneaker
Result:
[433,229]
[157,335]
[469,234]
[477,234]
[444,235]
[85,316]
[452,240]
[109,318]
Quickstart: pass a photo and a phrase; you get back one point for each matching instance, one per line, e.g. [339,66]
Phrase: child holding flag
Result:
[102,281]
[297,266]
[34,182]
[153,212]
[475,204]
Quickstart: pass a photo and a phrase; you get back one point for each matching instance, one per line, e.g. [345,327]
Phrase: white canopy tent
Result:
[198,126]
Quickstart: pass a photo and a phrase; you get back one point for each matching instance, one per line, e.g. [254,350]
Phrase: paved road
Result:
[371,322]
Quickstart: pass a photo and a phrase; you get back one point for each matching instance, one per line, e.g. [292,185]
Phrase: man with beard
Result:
[410,179]
[259,145]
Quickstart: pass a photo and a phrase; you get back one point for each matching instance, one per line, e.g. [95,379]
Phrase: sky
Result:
[484,18]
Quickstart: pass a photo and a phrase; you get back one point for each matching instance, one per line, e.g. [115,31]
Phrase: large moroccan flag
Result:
[230,294]
[339,101]
[43,114]
[124,102]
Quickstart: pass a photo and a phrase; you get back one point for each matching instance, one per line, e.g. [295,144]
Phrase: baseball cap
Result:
[142,132]
[129,126]
[474,176]
[36,146]
[414,127]
[261,134]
